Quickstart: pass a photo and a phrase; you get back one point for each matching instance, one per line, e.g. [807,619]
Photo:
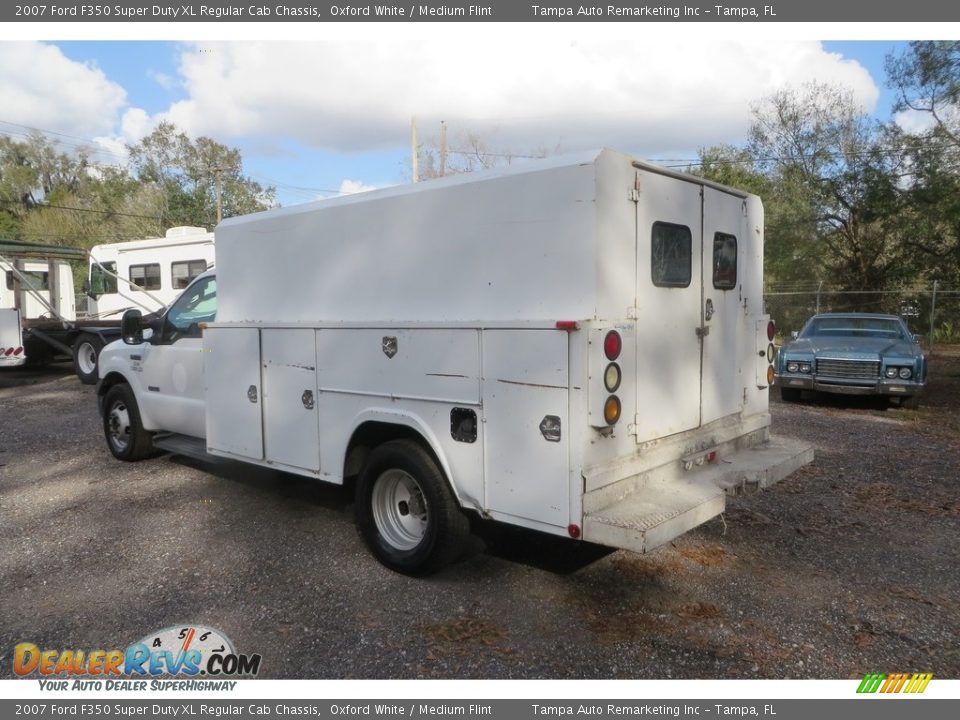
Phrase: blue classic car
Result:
[853,354]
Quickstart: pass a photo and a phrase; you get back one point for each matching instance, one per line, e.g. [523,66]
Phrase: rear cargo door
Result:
[724,241]
[669,305]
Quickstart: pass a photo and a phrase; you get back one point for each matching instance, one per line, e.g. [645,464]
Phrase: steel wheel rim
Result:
[118,425]
[86,358]
[399,509]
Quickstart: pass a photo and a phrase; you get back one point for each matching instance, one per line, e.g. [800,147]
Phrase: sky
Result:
[320,117]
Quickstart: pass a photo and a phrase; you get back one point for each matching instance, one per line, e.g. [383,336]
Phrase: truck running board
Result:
[191,447]
[664,509]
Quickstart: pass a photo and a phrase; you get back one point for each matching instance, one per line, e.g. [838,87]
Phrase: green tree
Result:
[840,172]
[926,76]
[199,180]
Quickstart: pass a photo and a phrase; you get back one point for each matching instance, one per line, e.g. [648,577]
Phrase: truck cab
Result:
[153,378]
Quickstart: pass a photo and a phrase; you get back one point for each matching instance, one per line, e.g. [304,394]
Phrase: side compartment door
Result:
[724,239]
[234,393]
[525,389]
[290,426]
[669,304]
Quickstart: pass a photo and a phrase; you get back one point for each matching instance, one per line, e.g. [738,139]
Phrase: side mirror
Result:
[794,335]
[917,339]
[131,327]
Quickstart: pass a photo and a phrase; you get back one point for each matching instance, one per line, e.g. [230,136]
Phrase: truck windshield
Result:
[197,304]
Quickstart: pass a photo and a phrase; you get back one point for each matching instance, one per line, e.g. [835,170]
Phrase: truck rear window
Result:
[670,249]
[724,261]
[35,280]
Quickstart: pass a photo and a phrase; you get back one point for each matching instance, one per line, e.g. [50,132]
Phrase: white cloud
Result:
[349,187]
[520,90]
[42,88]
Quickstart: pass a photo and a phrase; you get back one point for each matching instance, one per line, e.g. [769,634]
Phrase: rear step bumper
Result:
[661,510]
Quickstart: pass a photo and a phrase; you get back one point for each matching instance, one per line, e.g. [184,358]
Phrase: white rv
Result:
[146,274]
[577,346]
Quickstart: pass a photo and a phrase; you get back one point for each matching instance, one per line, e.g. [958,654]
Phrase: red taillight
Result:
[771,330]
[612,345]
[9,352]
[712,456]
[566,324]
[18,351]
[573,531]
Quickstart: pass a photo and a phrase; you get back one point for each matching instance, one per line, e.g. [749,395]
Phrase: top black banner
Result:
[825,11]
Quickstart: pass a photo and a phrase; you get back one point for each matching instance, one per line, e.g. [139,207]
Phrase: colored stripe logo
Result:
[895,683]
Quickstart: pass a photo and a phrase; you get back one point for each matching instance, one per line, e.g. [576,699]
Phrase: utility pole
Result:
[414,150]
[443,148]
[218,177]
[933,312]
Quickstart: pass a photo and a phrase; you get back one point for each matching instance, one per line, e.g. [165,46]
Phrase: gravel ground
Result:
[847,567]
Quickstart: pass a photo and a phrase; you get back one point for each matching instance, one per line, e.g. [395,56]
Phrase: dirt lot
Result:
[848,566]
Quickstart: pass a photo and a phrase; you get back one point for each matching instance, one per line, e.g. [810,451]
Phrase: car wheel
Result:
[406,511]
[790,394]
[86,355]
[122,427]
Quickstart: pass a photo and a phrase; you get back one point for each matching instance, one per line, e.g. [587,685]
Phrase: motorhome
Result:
[575,345]
[146,274]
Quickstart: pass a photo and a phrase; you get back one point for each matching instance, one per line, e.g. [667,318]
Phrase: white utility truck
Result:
[576,345]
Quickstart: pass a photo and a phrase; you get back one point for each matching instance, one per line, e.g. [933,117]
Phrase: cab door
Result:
[173,374]
[669,305]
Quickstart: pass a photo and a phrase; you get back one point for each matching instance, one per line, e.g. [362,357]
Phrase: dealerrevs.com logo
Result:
[909,683]
[186,651]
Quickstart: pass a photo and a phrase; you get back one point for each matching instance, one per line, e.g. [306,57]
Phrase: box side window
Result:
[183,272]
[146,276]
[724,261]
[670,260]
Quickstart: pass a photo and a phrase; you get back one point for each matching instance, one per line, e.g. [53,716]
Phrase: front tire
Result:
[122,427]
[86,356]
[406,512]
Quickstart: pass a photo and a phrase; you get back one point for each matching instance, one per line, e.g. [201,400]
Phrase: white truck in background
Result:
[576,345]
[37,294]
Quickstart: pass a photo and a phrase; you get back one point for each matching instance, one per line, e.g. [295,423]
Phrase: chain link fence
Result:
[932,311]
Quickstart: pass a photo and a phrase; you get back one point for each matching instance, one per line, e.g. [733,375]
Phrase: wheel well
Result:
[371,434]
[109,381]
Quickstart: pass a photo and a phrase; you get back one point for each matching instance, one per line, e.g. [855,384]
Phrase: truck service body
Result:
[577,346]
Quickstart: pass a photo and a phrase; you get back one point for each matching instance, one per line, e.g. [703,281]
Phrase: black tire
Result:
[122,427]
[86,358]
[790,394]
[406,512]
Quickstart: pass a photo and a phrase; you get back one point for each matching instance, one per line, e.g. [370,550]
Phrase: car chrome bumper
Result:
[846,387]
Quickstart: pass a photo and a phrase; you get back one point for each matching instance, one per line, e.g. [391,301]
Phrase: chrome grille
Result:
[849,369]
